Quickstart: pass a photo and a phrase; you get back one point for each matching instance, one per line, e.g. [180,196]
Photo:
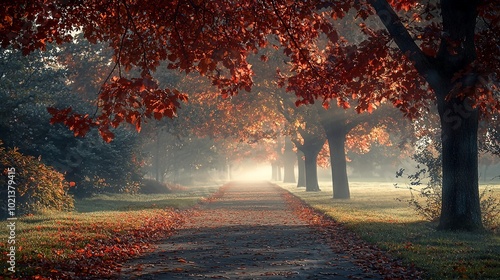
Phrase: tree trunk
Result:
[230,172]
[289,162]
[289,170]
[311,169]
[157,157]
[460,199]
[459,122]
[460,208]
[301,181]
[274,172]
[485,172]
[336,143]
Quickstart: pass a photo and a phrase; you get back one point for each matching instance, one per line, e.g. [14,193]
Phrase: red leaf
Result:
[158,115]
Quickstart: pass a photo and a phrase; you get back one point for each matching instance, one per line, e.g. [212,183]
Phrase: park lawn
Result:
[102,231]
[377,214]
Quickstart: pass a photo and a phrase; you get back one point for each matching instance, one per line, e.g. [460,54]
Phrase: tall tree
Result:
[31,83]
[289,159]
[306,132]
[448,48]
[456,57]
[310,146]
[214,39]
[334,77]
[301,169]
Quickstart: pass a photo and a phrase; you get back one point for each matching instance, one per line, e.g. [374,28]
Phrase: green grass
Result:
[376,214]
[53,236]
[128,202]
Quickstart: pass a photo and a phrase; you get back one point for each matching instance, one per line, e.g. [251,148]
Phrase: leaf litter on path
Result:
[260,231]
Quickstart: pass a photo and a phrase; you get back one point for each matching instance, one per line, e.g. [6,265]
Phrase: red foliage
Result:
[215,38]
[366,74]
[102,257]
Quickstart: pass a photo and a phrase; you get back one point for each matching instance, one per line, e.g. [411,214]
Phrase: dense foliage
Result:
[38,187]
[30,84]
[411,53]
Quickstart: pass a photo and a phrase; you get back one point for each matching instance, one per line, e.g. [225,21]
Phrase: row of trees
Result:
[410,54]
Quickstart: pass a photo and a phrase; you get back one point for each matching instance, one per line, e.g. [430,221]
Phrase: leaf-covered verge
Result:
[342,239]
[34,186]
[93,243]
[375,215]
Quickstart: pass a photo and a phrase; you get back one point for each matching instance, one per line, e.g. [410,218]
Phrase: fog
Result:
[251,171]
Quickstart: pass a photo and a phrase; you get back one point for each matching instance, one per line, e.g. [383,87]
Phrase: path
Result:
[250,233]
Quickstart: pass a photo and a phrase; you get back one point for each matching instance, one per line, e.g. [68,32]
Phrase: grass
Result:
[129,202]
[54,237]
[376,214]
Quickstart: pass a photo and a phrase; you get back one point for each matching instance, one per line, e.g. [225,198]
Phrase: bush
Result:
[426,202]
[38,187]
[425,189]
[149,186]
[152,187]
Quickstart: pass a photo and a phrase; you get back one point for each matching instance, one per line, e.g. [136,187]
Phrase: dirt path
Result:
[250,233]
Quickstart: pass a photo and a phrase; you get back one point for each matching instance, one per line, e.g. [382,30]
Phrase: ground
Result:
[254,231]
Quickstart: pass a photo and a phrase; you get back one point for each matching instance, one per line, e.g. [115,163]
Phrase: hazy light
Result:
[251,172]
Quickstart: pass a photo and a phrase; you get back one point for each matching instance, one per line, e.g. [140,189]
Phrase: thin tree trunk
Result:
[274,172]
[301,181]
[157,157]
[336,143]
[289,170]
[289,162]
[485,172]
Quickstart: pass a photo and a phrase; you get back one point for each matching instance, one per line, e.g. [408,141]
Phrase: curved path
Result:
[249,233]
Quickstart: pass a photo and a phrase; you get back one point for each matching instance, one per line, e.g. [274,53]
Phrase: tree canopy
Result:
[411,53]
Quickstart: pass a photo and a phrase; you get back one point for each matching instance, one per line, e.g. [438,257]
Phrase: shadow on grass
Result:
[443,254]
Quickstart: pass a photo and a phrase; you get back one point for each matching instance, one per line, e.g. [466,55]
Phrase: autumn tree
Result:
[454,52]
[447,46]
[244,118]
[306,132]
[289,158]
[338,76]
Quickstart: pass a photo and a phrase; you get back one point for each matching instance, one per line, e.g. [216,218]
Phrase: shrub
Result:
[149,186]
[38,187]
[490,210]
[425,190]
[152,187]
[426,201]
[131,186]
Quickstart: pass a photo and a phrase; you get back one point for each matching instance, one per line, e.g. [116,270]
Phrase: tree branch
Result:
[144,51]
[293,39]
[402,38]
